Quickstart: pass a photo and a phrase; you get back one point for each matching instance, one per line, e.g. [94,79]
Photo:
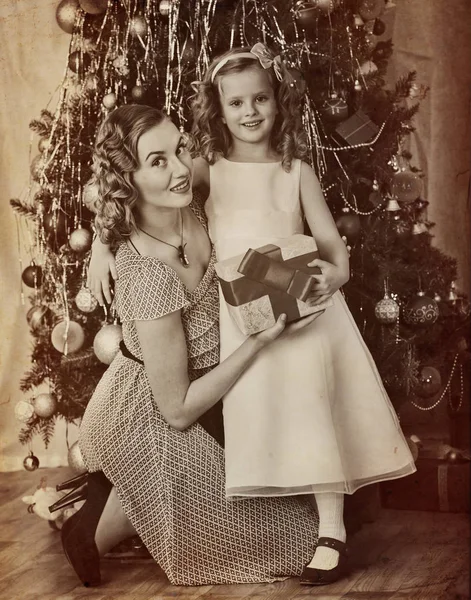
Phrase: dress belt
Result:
[125,352]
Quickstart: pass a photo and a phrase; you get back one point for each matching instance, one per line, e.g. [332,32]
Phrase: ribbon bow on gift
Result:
[267,60]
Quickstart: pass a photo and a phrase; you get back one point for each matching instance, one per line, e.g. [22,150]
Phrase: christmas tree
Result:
[401,289]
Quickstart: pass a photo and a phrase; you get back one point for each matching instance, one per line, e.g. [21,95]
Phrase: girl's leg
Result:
[113,526]
[330,509]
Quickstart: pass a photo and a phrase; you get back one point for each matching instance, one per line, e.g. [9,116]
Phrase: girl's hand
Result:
[327,283]
[281,329]
[102,265]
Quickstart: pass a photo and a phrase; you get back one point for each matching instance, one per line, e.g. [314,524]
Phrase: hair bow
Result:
[267,60]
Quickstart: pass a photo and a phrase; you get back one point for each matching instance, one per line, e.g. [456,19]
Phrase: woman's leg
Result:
[330,509]
[113,526]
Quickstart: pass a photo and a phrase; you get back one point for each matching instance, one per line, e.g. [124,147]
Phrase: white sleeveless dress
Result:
[310,414]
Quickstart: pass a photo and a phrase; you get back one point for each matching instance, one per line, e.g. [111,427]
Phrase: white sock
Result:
[330,509]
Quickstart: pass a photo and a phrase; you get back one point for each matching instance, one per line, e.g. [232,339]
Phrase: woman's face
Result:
[164,176]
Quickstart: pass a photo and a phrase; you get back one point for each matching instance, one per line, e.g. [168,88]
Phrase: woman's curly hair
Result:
[115,159]
[212,139]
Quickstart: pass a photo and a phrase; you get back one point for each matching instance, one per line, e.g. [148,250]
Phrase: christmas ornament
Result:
[43,145]
[32,276]
[298,81]
[31,462]
[75,459]
[452,295]
[392,205]
[37,316]
[67,337]
[94,7]
[90,196]
[110,100]
[106,343]
[138,92]
[421,310]
[368,68]
[419,228]
[379,27]
[358,21]
[387,310]
[79,61]
[36,167]
[349,225]
[370,9]
[66,13]
[428,383]
[44,405]
[326,6]
[375,185]
[437,298]
[164,7]
[401,227]
[406,186]
[335,109]
[120,63]
[357,86]
[85,300]
[24,411]
[305,13]
[80,240]
[138,27]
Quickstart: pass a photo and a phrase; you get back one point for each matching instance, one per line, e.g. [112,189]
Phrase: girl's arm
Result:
[334,263]
[102,264]
[164,350]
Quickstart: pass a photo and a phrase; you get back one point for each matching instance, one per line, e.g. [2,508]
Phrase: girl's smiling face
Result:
[248,106]
[163,178]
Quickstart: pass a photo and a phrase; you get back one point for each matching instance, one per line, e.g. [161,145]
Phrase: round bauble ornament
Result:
[349,225]
[306,12]
[138,92]
[31,462]
[67,337]
[85,300]
[406,186]
[44,405]
[421,310]
[24,411]
[298,80]
[93,7]
[75,459]
[368,68]
[79,61]
[370,9]
[429,382]
[90,196]
[80,240]
[379,27]
[387,310]
[36,168]
[110,100]
[32,276]
[138,26]
[106,343]
[44,144]
[66,13]
[335,109]
[164,7]
[37,316]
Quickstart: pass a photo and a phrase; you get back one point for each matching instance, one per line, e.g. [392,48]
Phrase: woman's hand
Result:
[280,328]
[327,282]
[102,265]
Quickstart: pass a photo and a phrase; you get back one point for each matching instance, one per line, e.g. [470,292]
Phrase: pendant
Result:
[183,257]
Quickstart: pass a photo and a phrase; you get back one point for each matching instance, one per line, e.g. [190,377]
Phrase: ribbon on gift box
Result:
[266,273]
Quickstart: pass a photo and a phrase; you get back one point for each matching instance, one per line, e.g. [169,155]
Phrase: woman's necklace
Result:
[180,249]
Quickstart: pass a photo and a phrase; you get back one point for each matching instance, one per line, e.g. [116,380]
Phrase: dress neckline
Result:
[234,162]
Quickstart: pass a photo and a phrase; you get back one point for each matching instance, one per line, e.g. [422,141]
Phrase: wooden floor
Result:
[402,556]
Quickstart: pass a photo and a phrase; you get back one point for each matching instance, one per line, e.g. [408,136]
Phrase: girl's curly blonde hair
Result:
[211,137]
[115,159]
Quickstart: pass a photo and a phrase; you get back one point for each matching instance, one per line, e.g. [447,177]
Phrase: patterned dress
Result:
[171,483]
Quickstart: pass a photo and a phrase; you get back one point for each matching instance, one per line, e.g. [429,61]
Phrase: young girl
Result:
[310,414]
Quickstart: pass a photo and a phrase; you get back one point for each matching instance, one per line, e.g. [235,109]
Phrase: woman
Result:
[140,430]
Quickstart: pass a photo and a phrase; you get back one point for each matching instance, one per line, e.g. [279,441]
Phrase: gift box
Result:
[357,129]
[265,282]
[437,485]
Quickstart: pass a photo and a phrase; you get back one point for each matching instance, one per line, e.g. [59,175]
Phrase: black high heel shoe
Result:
[73,483]
[312,576]
[78,532]
[75,495]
